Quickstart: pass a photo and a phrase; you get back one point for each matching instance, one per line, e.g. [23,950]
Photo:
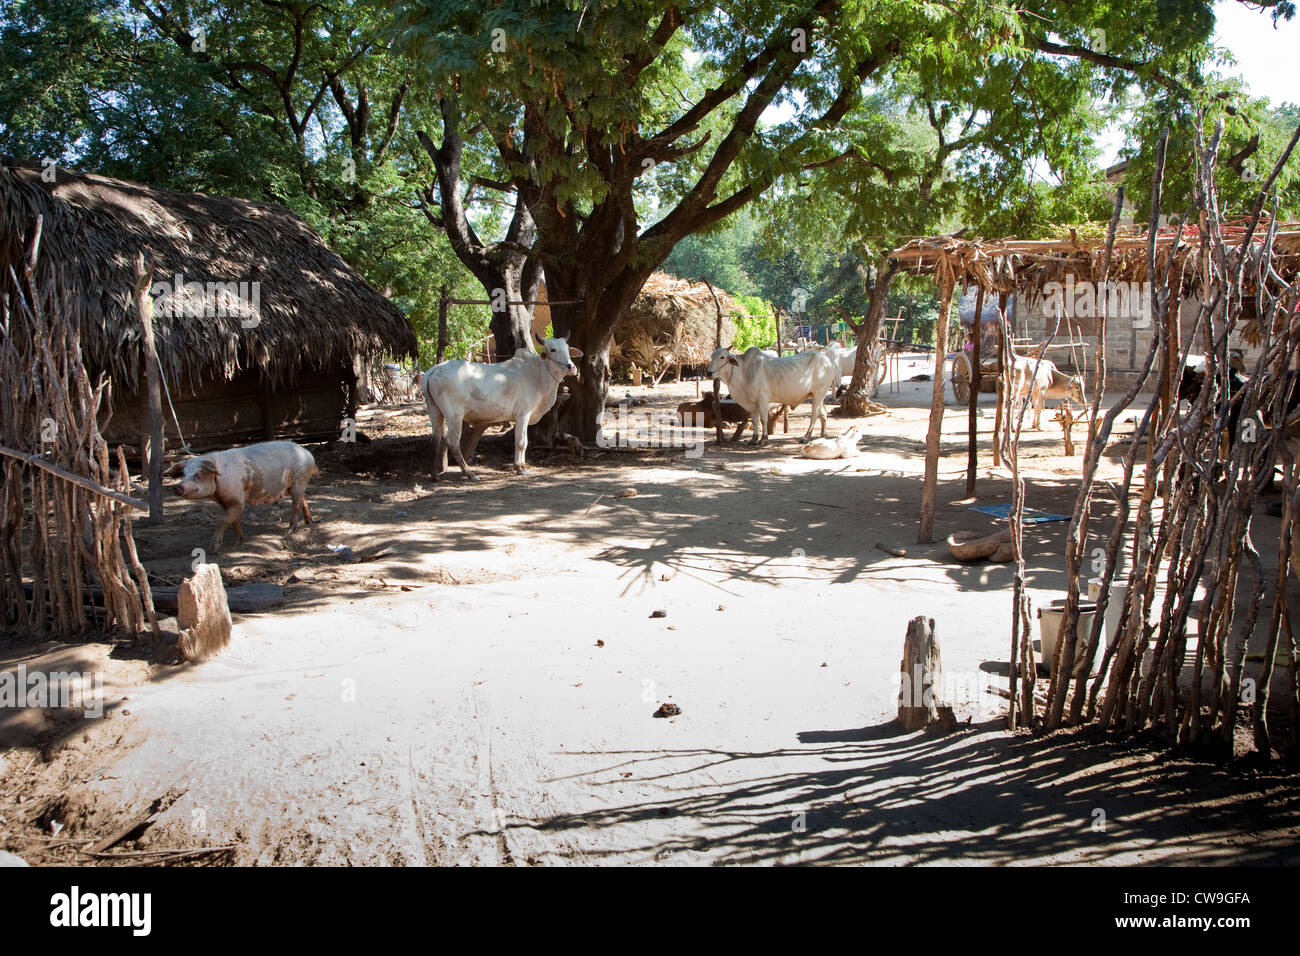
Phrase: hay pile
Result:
[673,322]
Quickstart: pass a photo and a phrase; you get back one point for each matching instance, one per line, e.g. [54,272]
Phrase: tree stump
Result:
[918,697]
[202,614]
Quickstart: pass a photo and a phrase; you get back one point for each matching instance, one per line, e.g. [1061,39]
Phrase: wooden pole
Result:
[1003,378]
[925,533]
[1173,348]
[717,385]
[93,486]
[153,419]
[976,379]
[442,325]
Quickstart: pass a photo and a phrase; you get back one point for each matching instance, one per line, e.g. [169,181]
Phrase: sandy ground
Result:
[481,690]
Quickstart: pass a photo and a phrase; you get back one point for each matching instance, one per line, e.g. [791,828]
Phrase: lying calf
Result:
[699,414]
[844,445]
[254,475]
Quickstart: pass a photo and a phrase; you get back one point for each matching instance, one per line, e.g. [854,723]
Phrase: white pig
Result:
[841,446]
[254,475]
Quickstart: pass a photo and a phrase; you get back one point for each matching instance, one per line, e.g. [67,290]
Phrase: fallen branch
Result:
[139,822]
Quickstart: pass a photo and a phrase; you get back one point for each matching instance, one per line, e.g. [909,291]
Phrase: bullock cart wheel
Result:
[960,377]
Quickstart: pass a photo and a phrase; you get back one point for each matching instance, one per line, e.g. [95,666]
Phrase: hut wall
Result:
[231,412]
[1127,341]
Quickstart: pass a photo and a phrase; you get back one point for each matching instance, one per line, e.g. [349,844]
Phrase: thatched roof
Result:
[675,316]
[308,306]
[1026,266]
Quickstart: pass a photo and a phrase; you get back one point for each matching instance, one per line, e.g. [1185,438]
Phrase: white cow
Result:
[1050,382]
[758,381]
[519,390]
[846,358]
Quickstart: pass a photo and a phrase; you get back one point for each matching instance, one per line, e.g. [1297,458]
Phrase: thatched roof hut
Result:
[250,305]
[1027,265]
[1037,273]
[672,320]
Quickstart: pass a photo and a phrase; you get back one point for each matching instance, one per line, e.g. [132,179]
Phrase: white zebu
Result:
[846,358]
[520,390]
[1049,382]
[757,381]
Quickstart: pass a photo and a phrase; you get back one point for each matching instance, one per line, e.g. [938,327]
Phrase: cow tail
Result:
[440,426]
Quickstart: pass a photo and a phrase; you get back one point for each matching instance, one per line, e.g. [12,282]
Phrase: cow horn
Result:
[540,340]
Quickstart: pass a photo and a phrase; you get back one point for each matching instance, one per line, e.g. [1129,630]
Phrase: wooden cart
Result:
[961,374]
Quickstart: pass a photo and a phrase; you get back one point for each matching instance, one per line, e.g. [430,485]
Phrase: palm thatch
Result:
[307,308]
[1027,266]
[672,321]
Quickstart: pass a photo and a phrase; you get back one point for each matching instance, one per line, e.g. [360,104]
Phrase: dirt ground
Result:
[479,687]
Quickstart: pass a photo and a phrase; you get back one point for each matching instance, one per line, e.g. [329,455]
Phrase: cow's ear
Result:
[731,359]
[575,352]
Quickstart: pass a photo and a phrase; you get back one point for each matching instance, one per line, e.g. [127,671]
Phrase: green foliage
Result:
[975,113]
[1254,136]
[753,321]
[120,89]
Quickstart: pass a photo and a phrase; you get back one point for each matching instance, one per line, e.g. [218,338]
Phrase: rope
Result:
[167,391]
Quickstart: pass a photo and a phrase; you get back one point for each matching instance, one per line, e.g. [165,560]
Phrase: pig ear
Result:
[575,352]
[207,466]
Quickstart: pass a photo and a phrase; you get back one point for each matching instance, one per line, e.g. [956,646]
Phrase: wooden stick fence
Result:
[65,513]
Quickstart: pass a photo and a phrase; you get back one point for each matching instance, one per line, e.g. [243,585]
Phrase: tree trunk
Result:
[581,414]
[512,330]
[589,325]
[921,673]
[862,386]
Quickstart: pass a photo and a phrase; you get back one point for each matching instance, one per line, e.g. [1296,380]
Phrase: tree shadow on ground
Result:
[878,795]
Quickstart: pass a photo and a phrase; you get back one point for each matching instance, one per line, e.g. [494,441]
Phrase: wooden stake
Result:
[1003,379]
[153,387]
[442,325]
[925,534]
[717,385]
[972,415]
[921,673]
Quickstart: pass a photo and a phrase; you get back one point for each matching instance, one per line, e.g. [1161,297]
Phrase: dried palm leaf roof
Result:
[675,315]
[1024,265]
[310,307]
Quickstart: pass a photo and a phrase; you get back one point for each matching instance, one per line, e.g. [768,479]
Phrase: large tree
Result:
[578,106]
[283,100]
